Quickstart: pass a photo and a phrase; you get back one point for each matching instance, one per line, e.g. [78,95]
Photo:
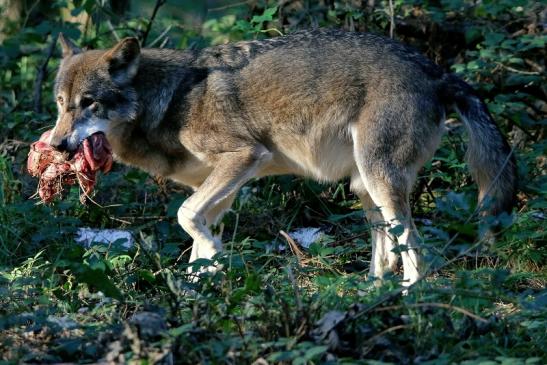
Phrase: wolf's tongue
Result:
[97,152]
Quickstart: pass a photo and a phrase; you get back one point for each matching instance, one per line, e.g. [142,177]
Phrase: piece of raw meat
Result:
[55,169]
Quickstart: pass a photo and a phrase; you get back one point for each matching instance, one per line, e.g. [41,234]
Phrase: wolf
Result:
[324,104]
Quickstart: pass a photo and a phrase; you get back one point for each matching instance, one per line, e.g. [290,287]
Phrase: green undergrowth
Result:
[62,302]
[270,303]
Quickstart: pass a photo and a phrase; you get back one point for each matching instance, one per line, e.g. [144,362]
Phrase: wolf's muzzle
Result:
[59,143]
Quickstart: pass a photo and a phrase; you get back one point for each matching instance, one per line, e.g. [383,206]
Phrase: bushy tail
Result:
[490,159]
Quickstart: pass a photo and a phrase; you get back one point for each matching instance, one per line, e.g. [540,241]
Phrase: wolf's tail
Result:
[490,159]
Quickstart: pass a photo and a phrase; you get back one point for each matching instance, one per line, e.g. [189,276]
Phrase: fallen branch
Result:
[372,341]
[536,66]
[436,305]
[522,72]
[294,248]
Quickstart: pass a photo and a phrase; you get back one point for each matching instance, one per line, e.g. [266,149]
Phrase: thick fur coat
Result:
[324,104]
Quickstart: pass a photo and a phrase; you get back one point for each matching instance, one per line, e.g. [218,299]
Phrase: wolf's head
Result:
[94,91]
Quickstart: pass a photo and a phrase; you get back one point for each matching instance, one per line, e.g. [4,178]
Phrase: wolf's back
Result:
[309,70]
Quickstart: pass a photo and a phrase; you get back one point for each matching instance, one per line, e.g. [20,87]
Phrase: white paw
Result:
[196,273]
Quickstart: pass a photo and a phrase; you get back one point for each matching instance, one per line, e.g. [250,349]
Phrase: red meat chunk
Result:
[54,169]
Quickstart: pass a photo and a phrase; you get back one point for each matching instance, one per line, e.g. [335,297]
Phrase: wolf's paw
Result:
[378,282]
[202,271]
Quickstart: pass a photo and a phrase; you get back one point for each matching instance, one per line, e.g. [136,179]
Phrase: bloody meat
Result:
[55,169]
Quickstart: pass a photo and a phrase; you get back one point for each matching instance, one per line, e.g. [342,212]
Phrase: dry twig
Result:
[436,305]
[294,248]
[512,69]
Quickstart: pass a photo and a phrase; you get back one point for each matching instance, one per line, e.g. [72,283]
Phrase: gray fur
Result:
[324,104]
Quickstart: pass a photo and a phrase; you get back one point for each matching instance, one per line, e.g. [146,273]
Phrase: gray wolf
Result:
[325,104]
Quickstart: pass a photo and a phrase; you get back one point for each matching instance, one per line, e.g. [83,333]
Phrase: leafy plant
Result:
[64,302]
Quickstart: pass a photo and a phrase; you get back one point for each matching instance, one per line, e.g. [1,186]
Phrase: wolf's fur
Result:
[324,104]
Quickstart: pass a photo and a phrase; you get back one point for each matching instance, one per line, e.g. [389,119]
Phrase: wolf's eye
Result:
[60,100]
[85,102]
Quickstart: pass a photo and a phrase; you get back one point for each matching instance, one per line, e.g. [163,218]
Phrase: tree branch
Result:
[159,3]
[391,19]
[42,74]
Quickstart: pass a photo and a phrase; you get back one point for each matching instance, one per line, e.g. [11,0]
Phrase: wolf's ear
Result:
[123,60]
[68,47]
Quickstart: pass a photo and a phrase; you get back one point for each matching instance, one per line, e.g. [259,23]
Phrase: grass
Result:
[61,302]
[480,303]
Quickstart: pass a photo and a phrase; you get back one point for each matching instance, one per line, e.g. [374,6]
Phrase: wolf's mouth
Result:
[97,150]
[93,147]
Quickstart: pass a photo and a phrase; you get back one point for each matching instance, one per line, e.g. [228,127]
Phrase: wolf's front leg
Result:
[212,219]
[205,245]
[205,206]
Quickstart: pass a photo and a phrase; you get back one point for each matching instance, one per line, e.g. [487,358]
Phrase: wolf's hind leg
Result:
[232,170]
[388,187]
[383,258]
[396,212]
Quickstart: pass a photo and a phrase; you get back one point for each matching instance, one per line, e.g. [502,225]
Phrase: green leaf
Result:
[252,283]
[147,275]
[473,65]
[281,356]
[397,230]
[98,280]
[267,16]
[243,26]
[493,39]
[315,351]
[473,34]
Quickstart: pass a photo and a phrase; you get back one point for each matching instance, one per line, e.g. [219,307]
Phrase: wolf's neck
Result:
[162,84]
[160,74]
